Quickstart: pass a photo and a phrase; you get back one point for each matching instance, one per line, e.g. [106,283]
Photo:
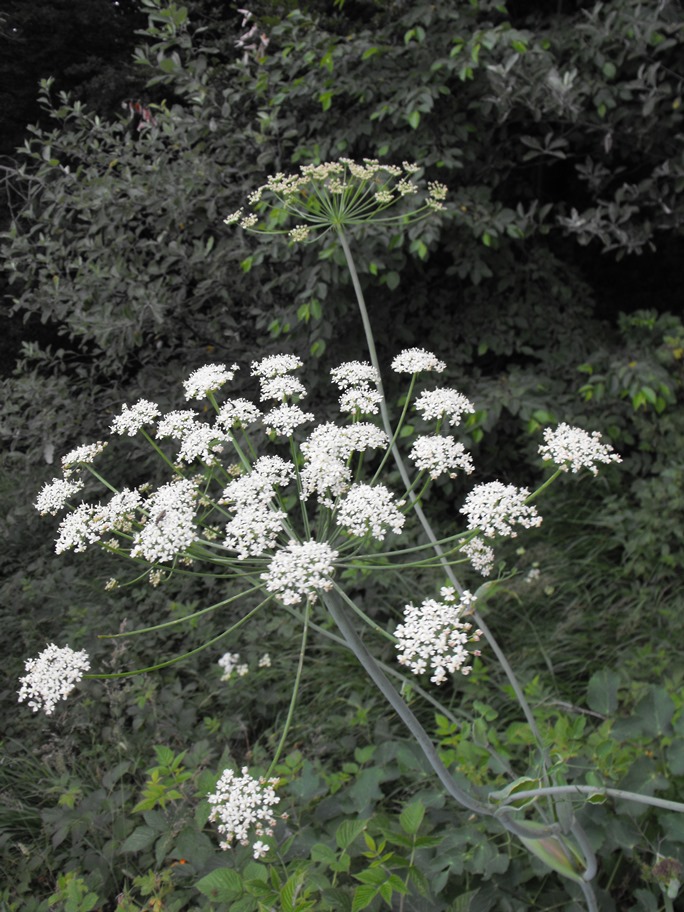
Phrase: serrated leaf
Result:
[411,817]
[347,832]
[141,838]
[363,897]
[221,885]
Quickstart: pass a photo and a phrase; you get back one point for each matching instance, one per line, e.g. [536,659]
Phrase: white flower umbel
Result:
[370,508]
[284,419]
[170,527]
[360,400]
[275,365]
[326,452]
[201,442]
[237,413]
[118,514]
[229,662]
[340,194]
[354,373]
[441,455]
[573,449]
[415,360]
[78,530]
[494,508]
[253,530]
[55,495]
[132,419]
[298,571]
[480,555]
[208,379]
[276,470]
[82,455]
[281,388]
[434,637]
[176,424]
[51,677]
[242,806]
[449,402]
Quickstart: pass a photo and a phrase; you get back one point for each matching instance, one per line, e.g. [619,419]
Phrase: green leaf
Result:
[602,692]
[414,119]
[363,897]
[221,885]
[141,838]
[411,817]
[347,832]
[392,280]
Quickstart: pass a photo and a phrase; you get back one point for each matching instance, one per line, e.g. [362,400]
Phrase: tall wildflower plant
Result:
[280,502]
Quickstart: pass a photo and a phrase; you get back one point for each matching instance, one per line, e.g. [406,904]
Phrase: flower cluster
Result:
[298,571]
[208,379]
[416,360]
[573,449]
[444,402]
[358,381]
[441,455]
[230,663]
[52,676]
[340,194]
[170,527]
[370,508]
[243,806]
[434,636]
[495,508]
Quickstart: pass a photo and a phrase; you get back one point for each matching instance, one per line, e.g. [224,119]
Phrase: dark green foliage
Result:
[554,125]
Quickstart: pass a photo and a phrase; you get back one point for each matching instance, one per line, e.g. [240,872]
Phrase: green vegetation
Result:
[551,288]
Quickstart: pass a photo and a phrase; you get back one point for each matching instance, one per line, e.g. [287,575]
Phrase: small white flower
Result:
[369,508]
[208,379]
[265,661]
[439,455]
[259,848]
[242,805]
[415,360]
[532,575]
[298,571]
[435,637]
[275,365]
[435,403]
[82,455]
[55,495]
[354,373]
[573,449]
[52,676]
[170,527]
[494,508]
[132,419]
[284,419]
[480,555]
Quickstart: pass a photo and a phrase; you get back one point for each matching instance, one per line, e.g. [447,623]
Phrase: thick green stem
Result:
[370,341]
[351,638]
